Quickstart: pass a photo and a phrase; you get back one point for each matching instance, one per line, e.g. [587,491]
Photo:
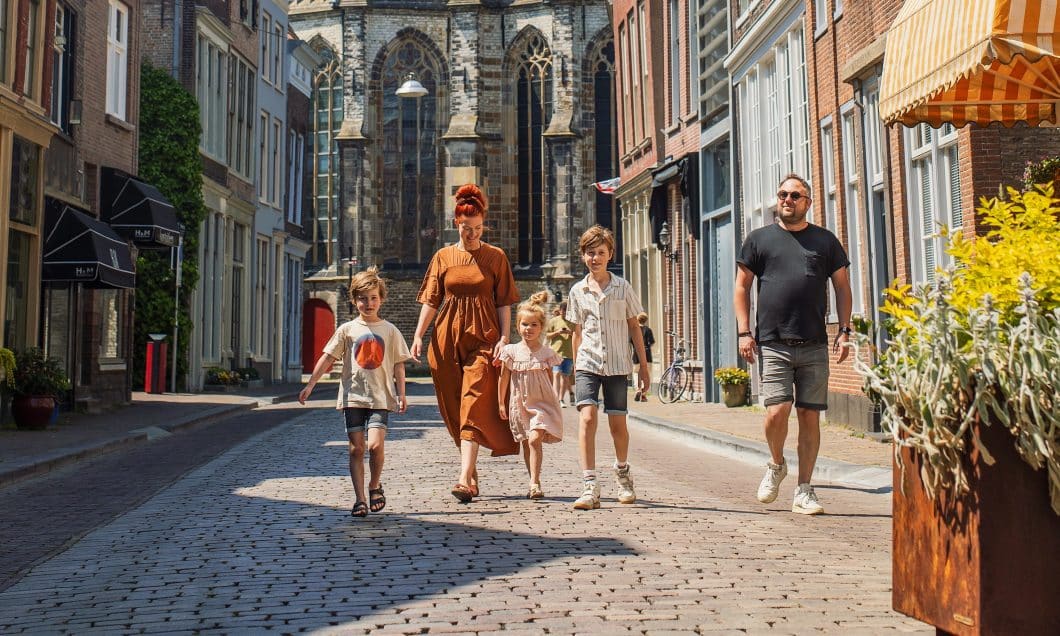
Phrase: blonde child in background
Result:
[525,392]
[373,354]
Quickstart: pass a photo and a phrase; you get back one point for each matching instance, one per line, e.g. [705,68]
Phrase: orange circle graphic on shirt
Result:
[368,351]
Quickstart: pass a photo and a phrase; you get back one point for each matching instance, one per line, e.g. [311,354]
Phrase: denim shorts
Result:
[798,374]
[564,367]
[587,391]
[358,419]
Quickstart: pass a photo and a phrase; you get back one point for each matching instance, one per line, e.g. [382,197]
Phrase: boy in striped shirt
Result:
[603,309]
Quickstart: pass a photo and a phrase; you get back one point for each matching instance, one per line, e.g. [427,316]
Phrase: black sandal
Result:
[376,498]
[360,509]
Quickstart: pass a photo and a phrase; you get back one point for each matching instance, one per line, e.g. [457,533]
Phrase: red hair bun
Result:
[470,201]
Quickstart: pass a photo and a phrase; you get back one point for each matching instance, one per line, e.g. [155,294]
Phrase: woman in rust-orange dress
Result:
[468,292]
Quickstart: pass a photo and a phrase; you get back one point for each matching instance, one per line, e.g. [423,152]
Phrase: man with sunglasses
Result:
[793,261]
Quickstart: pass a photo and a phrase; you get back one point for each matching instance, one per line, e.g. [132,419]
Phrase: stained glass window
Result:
[533,97]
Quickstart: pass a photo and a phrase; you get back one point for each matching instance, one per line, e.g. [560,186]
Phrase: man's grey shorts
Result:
[587,391]
[798,374]
[358,419]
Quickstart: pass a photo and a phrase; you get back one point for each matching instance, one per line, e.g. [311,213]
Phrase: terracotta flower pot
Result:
[734,394]
[32,412]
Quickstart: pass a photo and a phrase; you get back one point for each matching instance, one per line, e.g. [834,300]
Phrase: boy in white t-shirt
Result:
[373,354]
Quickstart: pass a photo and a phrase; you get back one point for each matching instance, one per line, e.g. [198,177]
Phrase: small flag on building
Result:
[609,186]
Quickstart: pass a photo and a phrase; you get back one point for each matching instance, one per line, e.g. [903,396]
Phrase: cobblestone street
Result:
[261,537]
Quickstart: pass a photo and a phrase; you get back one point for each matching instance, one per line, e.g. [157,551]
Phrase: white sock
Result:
[589,475]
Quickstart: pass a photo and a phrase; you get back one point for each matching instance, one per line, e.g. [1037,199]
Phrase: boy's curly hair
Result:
[597,235]
[366,281]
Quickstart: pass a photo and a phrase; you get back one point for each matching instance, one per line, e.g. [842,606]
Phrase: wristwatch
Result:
[846,330]
[745,333]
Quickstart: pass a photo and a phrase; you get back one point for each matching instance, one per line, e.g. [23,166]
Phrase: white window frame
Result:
[821,18]
[7,37]
[31,83]
[266,49]
[61,57]
[263,155]
[932,163]
[276,42]
[117,59]
[828,186]
[852,197]
[775,139]
[638,103]
[241,117]
[674,12]
[211,89]
[276,170]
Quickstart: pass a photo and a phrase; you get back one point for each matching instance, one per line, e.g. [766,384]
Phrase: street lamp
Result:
[412,89]
[664,242]
[351,262]
[548,270]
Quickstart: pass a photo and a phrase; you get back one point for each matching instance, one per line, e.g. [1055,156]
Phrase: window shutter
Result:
[956,214]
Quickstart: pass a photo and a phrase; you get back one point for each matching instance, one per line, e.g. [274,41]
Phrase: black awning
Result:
[78,248]
[657,205]
[138,211]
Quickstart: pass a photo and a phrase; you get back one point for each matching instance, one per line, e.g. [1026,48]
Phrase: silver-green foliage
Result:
[945,369]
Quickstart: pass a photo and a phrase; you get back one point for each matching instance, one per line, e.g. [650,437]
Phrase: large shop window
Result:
[533,97]
[409,189]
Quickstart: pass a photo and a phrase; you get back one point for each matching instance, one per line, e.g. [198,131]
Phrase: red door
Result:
[318,323]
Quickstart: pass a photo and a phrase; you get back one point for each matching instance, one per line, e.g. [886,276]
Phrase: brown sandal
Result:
[473,486]
[462,493]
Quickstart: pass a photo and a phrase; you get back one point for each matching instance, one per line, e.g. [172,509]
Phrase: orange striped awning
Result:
[964,61]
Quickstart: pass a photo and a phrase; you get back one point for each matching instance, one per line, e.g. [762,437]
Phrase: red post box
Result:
[155,369]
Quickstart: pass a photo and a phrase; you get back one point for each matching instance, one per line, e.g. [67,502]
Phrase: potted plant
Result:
[221,380]
[7,365]
[251,377]
[734,383]
[35,384]
[968,388]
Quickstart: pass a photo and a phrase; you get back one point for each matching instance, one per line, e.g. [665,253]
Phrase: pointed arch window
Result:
[409,157]
[605,137]
[533,107]
[327,119]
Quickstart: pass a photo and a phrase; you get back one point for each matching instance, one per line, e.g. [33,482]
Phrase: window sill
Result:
[119,123]
[669,130]
[691,117]
[111,364]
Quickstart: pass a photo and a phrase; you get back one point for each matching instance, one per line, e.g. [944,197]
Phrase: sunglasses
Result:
[795,196]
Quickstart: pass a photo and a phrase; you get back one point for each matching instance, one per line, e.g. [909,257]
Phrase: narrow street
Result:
[261,537]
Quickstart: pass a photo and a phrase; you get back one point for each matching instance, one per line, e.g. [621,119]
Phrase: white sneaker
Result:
[590,499]
[626,494]
[562,404]
[805,502]
[770,486]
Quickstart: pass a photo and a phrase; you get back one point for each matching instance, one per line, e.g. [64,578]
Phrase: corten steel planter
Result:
[987,563]
[32,412]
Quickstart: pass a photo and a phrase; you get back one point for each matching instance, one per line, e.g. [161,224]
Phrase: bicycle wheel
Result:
[671,385]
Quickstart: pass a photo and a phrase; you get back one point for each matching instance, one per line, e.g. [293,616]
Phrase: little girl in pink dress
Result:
[525,392]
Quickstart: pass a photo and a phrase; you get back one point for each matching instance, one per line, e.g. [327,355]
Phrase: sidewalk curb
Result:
[72,454]
[872,478]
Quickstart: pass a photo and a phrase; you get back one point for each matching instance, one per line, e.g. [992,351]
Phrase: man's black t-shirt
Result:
[793,269]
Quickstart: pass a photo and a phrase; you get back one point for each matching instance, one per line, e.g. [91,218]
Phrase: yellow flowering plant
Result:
[731,375]
[980,345]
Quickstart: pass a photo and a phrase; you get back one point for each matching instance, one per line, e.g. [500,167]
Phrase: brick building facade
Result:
[519,100]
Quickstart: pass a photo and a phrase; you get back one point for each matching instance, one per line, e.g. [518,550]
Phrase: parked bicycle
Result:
[675,379]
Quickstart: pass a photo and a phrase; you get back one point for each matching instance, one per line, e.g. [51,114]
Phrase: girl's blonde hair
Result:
[534,307]
[366,281]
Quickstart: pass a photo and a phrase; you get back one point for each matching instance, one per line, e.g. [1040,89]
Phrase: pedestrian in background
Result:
[560,334]
[603,308]
[525,396]
[467,293]
[649,339]
[793,261]
[373,354]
